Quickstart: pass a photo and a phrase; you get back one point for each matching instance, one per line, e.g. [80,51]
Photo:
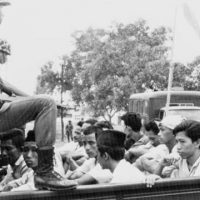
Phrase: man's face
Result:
[3,57]
[9,149]
[154,139]
[102,161]
[77,137]
[131,137]
[30,154]
[165,134]
[90,144]
[185,147]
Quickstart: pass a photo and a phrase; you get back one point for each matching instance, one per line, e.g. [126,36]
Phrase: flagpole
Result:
[171,67]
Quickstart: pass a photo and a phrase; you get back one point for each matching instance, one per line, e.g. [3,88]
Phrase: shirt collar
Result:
[20,159]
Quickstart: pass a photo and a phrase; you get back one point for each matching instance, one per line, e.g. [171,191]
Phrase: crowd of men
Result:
[142,153]
[98,153]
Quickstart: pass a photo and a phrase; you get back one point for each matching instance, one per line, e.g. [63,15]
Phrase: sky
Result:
[40,30]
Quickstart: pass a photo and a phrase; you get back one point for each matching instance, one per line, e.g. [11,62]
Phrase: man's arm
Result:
[9,89]
[86,179]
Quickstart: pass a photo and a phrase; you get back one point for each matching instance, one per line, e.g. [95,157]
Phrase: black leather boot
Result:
[46,177]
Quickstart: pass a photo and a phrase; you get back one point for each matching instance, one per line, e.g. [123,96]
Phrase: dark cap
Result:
[111,138]
[103,125]
[30,136]
[4,3]
[11,134]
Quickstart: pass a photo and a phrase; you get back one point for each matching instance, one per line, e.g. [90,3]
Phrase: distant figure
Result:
[69,130]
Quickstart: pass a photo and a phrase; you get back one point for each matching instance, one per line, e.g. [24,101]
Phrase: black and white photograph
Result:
[99,99]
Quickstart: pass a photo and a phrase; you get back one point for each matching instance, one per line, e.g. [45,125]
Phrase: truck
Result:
[152,105]
[164,189]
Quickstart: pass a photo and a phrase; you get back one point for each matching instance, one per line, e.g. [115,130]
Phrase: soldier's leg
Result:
[43,111]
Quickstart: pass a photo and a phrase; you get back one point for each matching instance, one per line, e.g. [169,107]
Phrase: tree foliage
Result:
[115,63]
[109,65]
[49,79]
[193,79]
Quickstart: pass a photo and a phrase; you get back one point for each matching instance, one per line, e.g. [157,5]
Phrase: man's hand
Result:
[7,188]
[151,179]
[169,160]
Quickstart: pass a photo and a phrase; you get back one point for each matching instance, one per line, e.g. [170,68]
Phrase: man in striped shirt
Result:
[11,147]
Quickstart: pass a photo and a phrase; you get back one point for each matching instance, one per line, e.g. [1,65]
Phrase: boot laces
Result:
[57,175]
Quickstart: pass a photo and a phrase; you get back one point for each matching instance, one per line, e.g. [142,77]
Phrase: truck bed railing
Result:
[169,189]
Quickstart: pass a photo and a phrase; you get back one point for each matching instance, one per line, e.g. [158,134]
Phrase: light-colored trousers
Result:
[41,109]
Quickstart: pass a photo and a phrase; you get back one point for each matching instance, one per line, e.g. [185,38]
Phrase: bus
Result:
[151,105]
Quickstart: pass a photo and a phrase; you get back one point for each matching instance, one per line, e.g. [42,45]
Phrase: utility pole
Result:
[61,99]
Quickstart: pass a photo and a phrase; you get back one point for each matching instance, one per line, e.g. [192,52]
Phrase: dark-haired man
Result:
[110,144]
[151,131]
[90,172]
[11,146]
[188,146]
[133,124]
[150,161]
[31,158]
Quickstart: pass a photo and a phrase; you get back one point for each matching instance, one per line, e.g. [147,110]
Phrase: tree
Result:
[50,80]
[192,81]
[112,64]
[107,66]
[47,81]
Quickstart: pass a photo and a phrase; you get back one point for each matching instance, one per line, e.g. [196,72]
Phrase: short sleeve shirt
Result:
[125,172]
[87,165]
[100,175]
[183,170]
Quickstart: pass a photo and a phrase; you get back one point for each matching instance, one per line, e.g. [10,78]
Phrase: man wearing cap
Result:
[2,4]
[43,111]
[110,144]
[150,162]
[187,135]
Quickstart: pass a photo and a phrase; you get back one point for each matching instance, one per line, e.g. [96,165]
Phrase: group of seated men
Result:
[141,153]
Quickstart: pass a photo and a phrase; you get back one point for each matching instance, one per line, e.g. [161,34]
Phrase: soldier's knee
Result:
[47,101]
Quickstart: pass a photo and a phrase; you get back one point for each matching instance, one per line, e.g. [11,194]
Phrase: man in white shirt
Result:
[151,131]
[26,182]
[11,146]
[188,146]
[150,162]
[91,172]
[73,153]
[111,151]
